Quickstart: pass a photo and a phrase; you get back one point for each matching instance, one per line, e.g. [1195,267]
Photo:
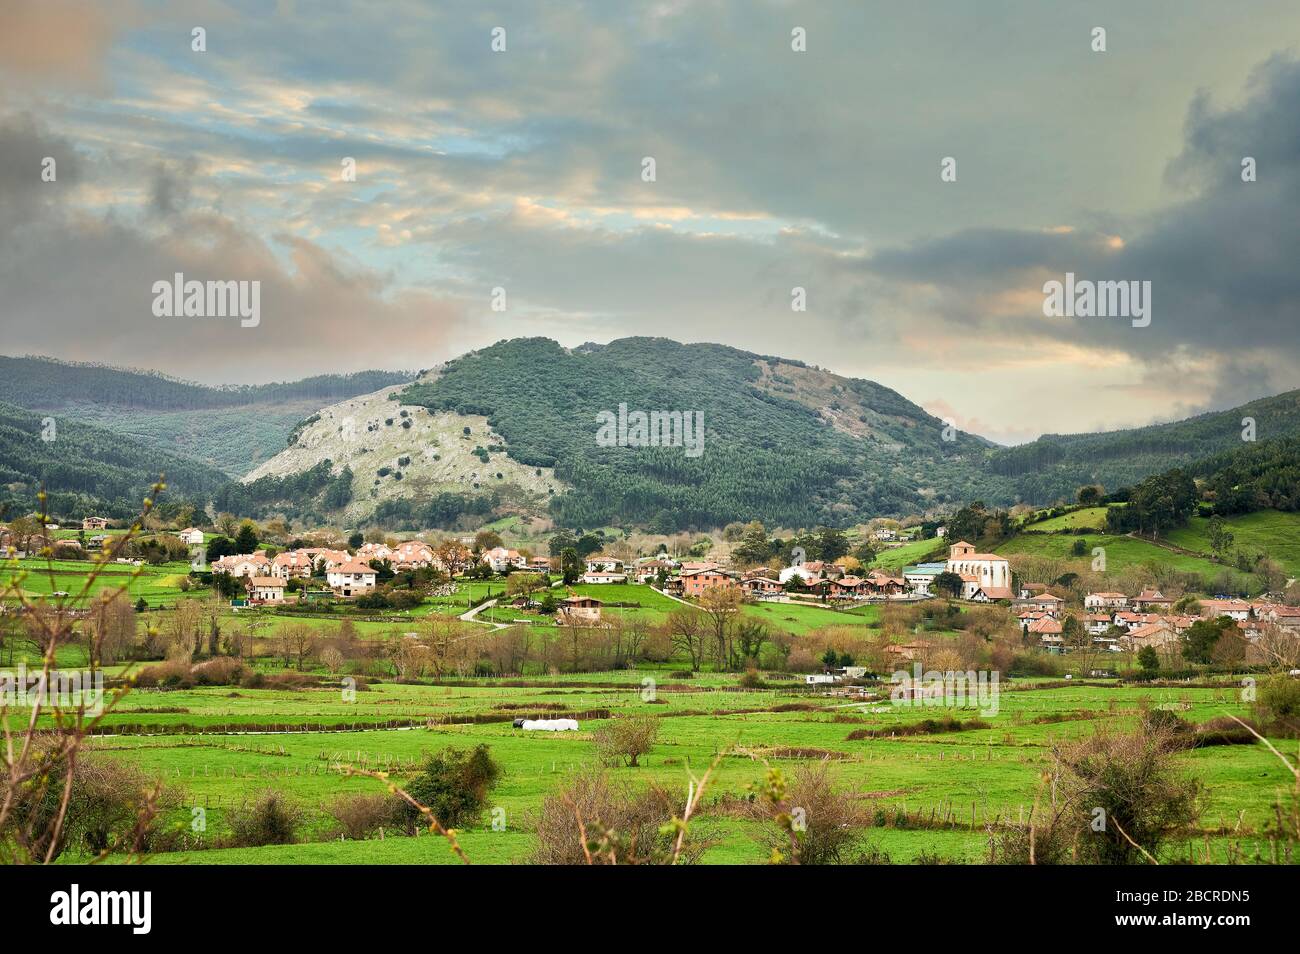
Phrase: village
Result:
[1058,623]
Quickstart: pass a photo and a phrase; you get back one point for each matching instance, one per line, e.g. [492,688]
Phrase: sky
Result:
[522,169]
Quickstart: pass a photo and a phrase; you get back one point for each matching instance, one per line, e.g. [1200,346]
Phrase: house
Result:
[1279,615]
[1043,603]
[1105,601]
[412,555]
[848,588]
[539,564]
[885,534]
[351,579]
[821,678]
[997,592]
[760,586]
[501,559]
[1029,590]
[191,537]
[695,582]
[578,610]
[604,564]
[602,577]
[265,589]
[1050,633]
[291,564]
[374,551]
[1158,634]
[1097,623]
[1151,599]
[988,569]
[94,523]
[1238,610]
[790,572]
[649,572]
[250,564]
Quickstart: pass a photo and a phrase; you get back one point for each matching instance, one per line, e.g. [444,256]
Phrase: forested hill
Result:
[45,383]
[87,469]
[1056,465]
[233,429]
[786,443]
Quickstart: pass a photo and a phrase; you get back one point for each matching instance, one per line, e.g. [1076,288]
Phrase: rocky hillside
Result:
[402,454]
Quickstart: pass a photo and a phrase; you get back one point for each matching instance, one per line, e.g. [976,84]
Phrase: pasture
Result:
[930,794]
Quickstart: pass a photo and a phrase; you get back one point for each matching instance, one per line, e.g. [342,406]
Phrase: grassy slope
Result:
[1121,552]
[1274,532]
[1088,517]
[909,553]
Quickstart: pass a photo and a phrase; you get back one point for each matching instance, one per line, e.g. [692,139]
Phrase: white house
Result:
[1105,601]
[499,558]
[191,536]
[604,564]
[600,577]
[351,579]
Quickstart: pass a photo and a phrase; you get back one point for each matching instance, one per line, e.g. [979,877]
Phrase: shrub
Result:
[360,816]
[174,673]
[815,823]
[454,786]
[752,680]
[1101,786]
[270,820]
[625,740]
[1278,706]
[218,671]
[622,825]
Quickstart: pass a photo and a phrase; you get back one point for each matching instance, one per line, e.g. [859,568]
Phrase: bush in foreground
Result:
[454,785]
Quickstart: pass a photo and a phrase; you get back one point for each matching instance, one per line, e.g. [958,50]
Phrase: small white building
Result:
[351,579]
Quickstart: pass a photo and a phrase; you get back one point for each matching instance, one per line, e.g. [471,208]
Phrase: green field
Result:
[1088,517]
[909,553]
[985,774]
[1122,552]
[1274,532]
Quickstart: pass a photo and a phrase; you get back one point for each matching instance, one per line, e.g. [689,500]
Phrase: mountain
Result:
[88,469]
[1056,465]
[784,442]
[229,428]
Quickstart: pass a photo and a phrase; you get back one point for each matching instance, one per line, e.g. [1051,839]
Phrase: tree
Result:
[1220,537]
[626,739]
[1090,495]
[356,541]
[570,566]
[486,540]
[948,583]
[246,539]
[831,544]
[720,605]
[689,632]
[753,547]
[1148,659]
[523,584]
[1199,640]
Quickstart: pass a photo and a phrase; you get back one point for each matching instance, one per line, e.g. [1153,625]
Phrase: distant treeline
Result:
[47,383]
